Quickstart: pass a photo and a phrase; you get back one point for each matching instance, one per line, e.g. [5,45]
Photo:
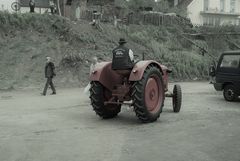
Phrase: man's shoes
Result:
[50,94]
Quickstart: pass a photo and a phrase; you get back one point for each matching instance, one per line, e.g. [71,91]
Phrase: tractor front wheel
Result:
[177,98]
[98,95]
[148,95]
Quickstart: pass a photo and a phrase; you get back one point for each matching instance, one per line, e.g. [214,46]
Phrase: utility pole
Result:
[101,6]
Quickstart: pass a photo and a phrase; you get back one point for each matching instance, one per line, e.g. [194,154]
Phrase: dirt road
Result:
[64,128]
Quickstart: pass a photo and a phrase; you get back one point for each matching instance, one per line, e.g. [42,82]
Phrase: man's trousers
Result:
[49,82]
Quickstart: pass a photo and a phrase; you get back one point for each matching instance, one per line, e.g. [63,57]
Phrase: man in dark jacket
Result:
[123,58]
[49,74]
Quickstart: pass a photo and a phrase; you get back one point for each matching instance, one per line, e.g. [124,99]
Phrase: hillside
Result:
[26,39]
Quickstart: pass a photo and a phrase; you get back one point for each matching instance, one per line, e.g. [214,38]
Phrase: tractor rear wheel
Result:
[148,95]
[177,98]
[98,95]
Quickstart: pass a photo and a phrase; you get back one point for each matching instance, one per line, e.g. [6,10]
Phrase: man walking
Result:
[49,74]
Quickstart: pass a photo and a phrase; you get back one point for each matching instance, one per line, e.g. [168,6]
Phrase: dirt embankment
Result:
[25,40]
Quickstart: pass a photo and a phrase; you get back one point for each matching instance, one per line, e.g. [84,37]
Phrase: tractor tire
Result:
[177,98]
[229,93]
[98,95]
[148,95]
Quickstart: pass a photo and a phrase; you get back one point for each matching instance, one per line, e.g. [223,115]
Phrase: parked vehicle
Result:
[228,75]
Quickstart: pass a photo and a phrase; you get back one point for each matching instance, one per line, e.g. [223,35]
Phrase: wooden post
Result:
[162,19]
[59,10]
[144,17]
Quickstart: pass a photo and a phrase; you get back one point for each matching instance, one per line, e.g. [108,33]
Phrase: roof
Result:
[184,3]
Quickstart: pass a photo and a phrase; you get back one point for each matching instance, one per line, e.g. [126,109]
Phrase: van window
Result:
[230,61]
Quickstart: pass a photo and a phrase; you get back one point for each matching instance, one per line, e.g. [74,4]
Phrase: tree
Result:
[137,4]
[161,6]
[134,5]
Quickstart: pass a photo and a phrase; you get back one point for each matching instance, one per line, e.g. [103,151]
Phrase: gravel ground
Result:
[63,127]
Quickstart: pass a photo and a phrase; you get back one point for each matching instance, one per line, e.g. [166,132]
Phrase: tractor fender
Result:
[104,74]
[139,68]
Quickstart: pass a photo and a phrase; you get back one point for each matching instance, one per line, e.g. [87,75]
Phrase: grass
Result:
[25,40]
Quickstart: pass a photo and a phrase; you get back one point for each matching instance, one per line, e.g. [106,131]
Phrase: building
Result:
[42,6]
[212,12]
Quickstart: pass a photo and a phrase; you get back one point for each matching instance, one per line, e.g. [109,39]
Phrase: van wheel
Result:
[229,93]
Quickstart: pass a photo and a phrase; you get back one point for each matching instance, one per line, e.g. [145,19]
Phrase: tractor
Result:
[144,87]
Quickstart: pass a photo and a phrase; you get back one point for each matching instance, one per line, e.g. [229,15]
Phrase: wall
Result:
[37,10]
[5,5]
[38,3]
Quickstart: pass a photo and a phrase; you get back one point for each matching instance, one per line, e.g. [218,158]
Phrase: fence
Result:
[90,15]
[148,18]
[156,19]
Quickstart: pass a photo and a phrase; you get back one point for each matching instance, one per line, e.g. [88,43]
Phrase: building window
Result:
[232,6]
[206,5]
[230,61]
[217,21]
[222,5]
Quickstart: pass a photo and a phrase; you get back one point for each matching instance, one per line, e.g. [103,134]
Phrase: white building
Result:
[212,12]
[42,6]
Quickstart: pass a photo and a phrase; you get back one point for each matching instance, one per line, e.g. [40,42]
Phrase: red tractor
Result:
[144,87]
